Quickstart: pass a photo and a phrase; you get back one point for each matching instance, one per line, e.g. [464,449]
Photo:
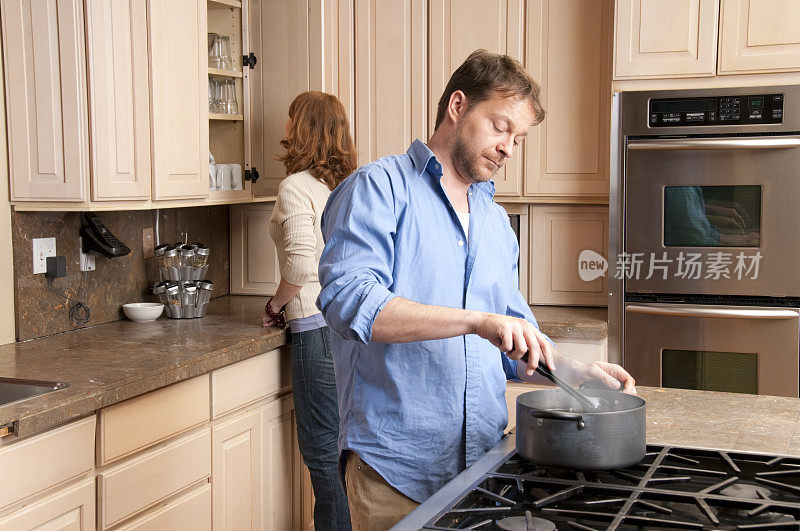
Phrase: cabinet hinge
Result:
[251,175]
[249,60]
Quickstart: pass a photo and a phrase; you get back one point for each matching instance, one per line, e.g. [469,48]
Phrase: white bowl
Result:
[143,311]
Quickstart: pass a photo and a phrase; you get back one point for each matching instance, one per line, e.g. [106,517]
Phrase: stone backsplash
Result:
[115,281]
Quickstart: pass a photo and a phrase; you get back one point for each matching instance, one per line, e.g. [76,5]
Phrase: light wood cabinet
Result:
[280,468]
[137,484]
[559,233]
[71,508]
[759,36]
[665,38]
[166,412]
[453,36]
[178,51]
[237,487]
[390,69]
[568,51]
[119,114]
[189,511]
[248,381]
[45,81]
[229,135]
[254,259]
[67,450]
[301,45]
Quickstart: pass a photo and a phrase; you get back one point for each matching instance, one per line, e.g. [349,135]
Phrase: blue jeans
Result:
[316,409]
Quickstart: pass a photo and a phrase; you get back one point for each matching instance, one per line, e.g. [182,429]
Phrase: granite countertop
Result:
[726,421]
[572,321]
[112,362]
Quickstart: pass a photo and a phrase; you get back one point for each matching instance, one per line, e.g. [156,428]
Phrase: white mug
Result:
[223,176]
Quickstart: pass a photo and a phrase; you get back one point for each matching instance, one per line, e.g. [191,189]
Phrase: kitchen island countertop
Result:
[730,421]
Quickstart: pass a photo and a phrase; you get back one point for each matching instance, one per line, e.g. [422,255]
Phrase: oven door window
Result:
[712,216]
[731,372]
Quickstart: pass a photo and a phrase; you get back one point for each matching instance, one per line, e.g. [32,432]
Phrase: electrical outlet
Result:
[42,248]
[147,242]
[86,259]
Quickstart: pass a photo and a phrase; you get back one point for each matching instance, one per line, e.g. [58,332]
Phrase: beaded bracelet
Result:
[277,316]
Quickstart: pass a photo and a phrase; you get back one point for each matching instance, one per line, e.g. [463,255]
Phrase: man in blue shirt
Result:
[420,287]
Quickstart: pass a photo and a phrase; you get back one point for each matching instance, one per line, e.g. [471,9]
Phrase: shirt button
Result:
[436,166]
[461,243]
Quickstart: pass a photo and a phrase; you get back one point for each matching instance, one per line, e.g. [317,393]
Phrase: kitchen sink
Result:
[14,389]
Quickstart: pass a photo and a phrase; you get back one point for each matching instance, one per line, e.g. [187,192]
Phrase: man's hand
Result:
[611,374]
[516,337]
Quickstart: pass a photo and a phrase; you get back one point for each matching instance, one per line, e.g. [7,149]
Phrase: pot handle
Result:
[558,415]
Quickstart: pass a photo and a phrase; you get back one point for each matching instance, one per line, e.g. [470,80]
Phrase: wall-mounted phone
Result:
[97,239]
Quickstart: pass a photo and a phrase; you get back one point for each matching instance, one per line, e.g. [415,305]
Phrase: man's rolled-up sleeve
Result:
[355,269]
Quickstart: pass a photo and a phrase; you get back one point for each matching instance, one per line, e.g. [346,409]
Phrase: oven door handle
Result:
[725,312]
[715,143]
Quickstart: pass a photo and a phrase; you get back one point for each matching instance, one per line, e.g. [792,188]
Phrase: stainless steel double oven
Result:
[705,238]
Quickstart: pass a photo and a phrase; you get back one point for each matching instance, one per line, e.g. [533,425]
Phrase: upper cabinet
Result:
[301,45]
[568,51]
[179,92]
[229,115]
[119,103]
[453,36]
[678,38]
[45,80]
[759,36]
[390,70]
[665,38]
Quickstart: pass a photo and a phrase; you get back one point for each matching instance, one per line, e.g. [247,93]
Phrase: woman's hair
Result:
[484,74]
[319,140]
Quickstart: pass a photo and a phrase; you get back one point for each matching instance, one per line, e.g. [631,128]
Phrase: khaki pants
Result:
[374,504]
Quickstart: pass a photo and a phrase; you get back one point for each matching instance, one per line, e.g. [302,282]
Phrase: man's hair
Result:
[484,74]
[319,140]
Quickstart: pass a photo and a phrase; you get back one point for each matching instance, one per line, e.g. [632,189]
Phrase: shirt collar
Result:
[423,159]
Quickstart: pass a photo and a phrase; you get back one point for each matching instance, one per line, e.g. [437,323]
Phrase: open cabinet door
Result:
[310,44]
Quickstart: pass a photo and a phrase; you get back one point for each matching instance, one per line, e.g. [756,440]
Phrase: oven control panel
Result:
[717,110]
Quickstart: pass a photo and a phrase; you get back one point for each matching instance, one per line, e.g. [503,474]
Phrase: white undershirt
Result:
[463,217]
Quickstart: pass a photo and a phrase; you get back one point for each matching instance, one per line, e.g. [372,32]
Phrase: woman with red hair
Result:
[319,155]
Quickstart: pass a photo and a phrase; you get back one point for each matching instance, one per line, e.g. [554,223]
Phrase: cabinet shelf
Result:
[224,73]
[233,117]
[224,4]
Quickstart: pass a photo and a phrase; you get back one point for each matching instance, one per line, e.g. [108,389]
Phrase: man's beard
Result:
[467,162]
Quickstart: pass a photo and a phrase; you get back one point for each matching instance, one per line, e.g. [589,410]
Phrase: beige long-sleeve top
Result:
[295,229]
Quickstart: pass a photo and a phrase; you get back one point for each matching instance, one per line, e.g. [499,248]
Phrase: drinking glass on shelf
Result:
[231,104]
[219,53]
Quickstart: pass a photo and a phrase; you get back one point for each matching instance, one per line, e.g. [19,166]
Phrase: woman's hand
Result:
[265,319]
[276,319]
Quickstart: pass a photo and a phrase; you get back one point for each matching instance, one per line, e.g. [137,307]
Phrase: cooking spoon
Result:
[589,402]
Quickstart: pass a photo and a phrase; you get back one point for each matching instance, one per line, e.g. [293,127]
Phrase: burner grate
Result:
[672,488]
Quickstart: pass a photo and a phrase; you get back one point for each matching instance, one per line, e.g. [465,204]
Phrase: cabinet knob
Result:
[251,175]
[249,60]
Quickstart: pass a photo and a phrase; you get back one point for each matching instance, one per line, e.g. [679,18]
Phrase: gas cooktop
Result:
[672,488]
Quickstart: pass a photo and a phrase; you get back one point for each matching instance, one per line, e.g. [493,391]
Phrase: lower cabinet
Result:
[71,508]
[256,469]
[238,471]
[236,482]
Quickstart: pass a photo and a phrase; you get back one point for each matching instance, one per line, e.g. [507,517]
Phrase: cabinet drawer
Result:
[138,484]
[191,511]
[68,452]
[139,422]
[249,380]
[70,508]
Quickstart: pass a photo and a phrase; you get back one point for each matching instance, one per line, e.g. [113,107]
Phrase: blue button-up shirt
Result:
[419,412]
